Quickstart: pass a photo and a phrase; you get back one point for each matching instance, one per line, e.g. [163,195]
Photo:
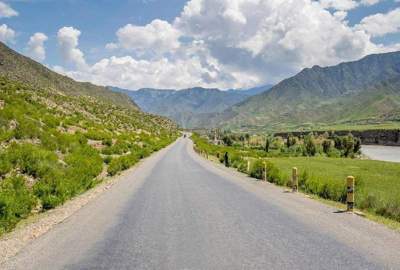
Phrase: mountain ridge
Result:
[315,97]
[23,69]
[188,107]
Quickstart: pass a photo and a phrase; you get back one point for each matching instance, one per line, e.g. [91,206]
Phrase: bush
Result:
[16,202]
[257,169]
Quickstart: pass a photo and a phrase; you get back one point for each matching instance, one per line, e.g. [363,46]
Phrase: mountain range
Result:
[364,93]
[188,107]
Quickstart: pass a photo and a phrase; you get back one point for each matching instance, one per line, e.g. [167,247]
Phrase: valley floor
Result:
[179,211]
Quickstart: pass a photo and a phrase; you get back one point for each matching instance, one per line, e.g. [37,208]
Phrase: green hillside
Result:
[355,94]
[54,146]
[23,69]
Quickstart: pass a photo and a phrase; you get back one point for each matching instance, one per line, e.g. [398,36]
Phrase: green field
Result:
[377,182]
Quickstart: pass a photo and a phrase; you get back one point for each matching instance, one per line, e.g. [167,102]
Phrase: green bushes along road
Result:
[53,146]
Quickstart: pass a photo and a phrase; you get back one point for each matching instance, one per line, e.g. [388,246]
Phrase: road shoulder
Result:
[37,225]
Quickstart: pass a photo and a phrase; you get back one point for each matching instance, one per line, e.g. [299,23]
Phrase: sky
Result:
[176,44]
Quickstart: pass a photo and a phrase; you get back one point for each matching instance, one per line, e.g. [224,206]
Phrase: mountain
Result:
[59,138]
[23,69]
[188,107]
[359,93]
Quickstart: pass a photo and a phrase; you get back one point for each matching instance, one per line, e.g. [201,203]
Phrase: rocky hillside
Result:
[23,69]
[360,93]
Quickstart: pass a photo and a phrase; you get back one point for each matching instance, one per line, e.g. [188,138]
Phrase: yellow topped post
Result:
[350,193]
[295,179]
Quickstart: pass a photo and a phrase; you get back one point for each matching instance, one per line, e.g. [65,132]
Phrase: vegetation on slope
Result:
[23,69]
[360,93]
[377,185]
[54,146]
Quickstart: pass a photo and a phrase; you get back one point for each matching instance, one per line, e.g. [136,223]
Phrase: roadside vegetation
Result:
[324,162]
[54,147]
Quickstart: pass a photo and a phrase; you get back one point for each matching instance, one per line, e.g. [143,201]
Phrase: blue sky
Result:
[210,43]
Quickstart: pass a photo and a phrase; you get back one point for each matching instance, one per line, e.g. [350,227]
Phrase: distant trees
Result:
[309,145]
[348,145]
[290,141]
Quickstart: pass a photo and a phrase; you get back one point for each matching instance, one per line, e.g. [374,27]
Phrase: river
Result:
[384,153]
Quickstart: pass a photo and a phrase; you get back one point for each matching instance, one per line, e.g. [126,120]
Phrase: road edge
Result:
[36,225]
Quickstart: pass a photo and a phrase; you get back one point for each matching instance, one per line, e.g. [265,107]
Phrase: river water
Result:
[384,153]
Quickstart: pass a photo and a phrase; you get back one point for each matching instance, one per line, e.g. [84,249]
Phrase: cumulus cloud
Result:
[381,24]
[35,47]
[7,35]
[231,44]
[6,11]
[157,37]
[345,5]
[68,41]
[339,4]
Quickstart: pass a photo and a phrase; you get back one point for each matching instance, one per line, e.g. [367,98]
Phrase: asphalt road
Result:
[179,211]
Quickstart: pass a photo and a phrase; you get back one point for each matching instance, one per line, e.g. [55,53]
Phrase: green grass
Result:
[377,182]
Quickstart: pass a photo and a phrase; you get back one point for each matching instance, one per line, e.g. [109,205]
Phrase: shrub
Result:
[16,202]
[257,169]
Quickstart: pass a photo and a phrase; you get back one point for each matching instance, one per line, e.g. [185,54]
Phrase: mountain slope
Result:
[188,107]
[355,93]
[56,142]
[23,69]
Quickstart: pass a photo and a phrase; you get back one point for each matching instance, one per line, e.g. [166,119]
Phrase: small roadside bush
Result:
[16,202]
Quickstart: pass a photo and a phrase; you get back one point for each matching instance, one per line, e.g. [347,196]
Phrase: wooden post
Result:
[350,193]
[295,180]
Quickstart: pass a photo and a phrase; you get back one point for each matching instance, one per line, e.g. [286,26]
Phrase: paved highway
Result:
[179,211]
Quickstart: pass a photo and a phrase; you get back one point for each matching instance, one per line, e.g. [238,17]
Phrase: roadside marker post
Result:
[248,166]
[295,180]
[350,193]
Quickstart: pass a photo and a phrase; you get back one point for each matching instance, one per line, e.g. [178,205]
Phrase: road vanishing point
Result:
[177,210]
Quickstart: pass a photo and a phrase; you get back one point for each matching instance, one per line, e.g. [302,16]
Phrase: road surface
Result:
[380,152]
[179,211]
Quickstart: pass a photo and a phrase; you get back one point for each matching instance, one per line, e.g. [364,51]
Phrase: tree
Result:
[227,140]
[290,141]
[309,144]
[327,145]
[348,145]
[247,136]
[357,145]
[267,144]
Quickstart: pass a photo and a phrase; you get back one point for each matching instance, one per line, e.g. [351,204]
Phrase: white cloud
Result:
[381,24]
[6,11]
[68,41]
[157,37]
[7,35]
[230,44]
[339,4]
[35,47]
